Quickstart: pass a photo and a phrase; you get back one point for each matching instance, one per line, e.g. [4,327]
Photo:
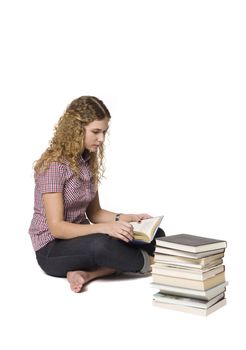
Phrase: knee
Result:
[160,233]
[102,245]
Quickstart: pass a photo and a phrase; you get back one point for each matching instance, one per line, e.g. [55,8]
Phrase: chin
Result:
[93,149]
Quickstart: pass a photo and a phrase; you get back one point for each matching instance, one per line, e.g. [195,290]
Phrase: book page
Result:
[147,226]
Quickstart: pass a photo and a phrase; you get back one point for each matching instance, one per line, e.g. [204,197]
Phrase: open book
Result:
[145,230]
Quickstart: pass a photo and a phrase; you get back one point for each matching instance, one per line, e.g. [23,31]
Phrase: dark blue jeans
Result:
[93,251]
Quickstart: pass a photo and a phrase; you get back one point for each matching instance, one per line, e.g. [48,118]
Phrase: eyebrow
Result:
[97,129]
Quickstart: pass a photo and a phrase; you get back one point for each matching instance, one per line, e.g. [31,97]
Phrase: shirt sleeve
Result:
[52,179]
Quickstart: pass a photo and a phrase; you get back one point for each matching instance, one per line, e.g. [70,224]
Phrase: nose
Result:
[101,137]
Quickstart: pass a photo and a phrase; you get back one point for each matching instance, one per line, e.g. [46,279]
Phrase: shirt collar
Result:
[85,157]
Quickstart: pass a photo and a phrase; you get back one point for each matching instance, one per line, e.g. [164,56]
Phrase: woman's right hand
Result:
[118,229]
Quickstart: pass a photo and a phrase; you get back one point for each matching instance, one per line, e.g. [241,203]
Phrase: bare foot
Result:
[77,279]
[151,258]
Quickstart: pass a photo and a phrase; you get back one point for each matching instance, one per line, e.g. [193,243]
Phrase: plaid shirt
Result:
[78,192]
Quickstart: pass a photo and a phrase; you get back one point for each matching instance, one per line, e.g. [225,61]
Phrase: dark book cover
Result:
[190,243]
[190,240]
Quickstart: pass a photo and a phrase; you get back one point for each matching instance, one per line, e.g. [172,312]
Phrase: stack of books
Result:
[188,270]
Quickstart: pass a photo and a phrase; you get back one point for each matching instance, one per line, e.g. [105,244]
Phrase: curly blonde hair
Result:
[68,138]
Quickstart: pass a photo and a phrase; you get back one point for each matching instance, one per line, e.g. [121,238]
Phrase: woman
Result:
[71,234]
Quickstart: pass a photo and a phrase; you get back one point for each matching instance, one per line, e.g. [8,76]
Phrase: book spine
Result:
[189,283]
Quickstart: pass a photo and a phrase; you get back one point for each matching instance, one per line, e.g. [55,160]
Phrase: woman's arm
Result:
[59,228]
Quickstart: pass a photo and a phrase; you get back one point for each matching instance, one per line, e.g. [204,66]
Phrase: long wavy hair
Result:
[68,139]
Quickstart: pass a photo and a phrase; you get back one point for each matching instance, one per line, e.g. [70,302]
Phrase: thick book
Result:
[199,275]
[185,254]
[189,283]
[190,243]
[191,267]
[178,300]
[145,230]
[191,293]
[212,260]
[189,309]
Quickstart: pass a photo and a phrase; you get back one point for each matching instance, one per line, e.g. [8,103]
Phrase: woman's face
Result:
[95,134]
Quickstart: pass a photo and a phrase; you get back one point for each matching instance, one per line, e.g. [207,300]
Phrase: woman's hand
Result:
[134,217]
[118,229]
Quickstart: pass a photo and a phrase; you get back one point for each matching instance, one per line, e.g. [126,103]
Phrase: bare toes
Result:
[76,280]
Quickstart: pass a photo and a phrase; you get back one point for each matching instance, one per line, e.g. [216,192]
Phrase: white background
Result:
[172,74]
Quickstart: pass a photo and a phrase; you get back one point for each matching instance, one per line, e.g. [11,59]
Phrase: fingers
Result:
[124,237]
[143,216]
[139,217]
[125,225]
[125,231]
[120,229]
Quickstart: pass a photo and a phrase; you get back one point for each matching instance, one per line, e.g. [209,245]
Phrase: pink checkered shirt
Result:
[77,194]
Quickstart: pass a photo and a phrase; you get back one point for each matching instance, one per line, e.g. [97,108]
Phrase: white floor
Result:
[172,74]
[40,312]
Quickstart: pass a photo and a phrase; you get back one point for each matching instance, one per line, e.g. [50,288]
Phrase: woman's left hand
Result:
[135,217]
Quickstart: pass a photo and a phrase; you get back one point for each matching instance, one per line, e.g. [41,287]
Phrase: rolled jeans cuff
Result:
[146,266]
